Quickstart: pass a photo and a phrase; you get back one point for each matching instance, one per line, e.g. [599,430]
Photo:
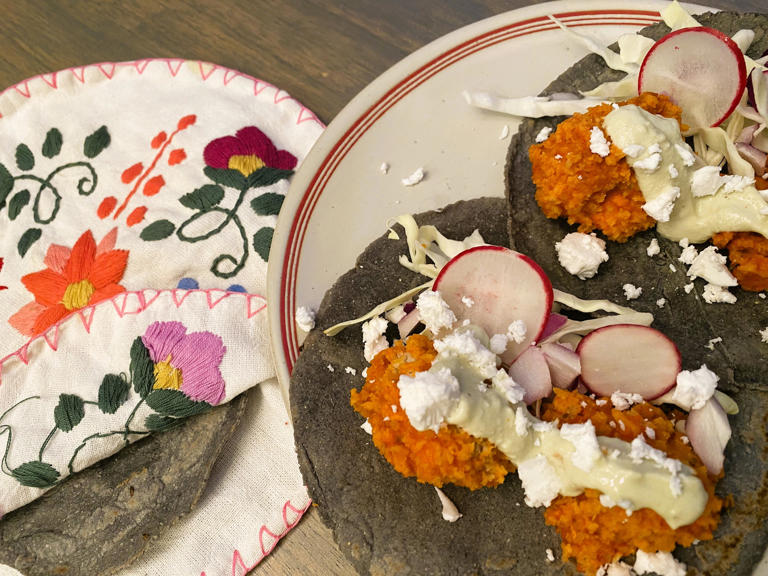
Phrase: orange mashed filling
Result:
[591,534]
[592,191]
[602,193]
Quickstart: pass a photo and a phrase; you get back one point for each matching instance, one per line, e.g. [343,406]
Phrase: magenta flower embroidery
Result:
[247,151]
[186,362]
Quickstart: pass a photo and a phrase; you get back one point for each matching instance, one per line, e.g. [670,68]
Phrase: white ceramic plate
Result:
[414,116]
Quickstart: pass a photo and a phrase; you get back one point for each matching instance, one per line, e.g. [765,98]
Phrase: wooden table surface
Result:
[322,53]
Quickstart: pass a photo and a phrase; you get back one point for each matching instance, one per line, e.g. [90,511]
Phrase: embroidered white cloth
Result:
[137,206]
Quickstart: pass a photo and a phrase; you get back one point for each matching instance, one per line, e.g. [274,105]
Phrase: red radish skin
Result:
[564,365]
[554,323]
[709,431]
[530,371]
[628,358]
[701,69]
[505,286]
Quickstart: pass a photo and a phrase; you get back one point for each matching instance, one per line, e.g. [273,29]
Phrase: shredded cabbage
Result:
[611,58]
[676,17]
[529,106]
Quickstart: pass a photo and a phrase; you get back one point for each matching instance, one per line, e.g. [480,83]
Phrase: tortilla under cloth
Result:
[740,359]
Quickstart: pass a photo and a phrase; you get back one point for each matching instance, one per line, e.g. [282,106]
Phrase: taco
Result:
[388,524]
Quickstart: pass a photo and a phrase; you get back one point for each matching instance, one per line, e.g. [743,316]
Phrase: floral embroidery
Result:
[247,160]
[46,199]
[73,278]
[1,268]
[175,373]
[138,175]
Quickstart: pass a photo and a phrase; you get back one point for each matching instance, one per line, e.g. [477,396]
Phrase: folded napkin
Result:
[137,206]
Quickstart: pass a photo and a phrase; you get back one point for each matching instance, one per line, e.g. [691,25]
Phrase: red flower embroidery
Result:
[1,267]
[74,278]
[247,151]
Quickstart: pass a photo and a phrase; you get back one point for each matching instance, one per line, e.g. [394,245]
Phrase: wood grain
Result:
[322,53]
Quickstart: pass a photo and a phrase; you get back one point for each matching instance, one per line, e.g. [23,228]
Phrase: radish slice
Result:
[531,372]
[701,69]
[628,358]
[709,431]
[564,364]
[408,322]
[503,286]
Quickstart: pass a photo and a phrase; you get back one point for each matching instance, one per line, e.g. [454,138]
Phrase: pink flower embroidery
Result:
[186,362]
[247,151]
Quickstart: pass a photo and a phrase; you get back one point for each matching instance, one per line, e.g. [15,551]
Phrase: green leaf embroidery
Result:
[157,422]
[113,393]
[262,241]
[158,230]
[268,204]
[203,198]
[226,177]
[68,412]
[6,184]
[266,176]
[25,159]
[175,403]
[96,142]
[27,239]
[52,144]
[142,368]
[17,203]
[36,474]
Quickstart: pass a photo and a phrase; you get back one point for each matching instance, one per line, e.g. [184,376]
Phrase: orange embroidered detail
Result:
[136,216]
[129,174]
[106,207]
[158,140]
[177,156]
[73,279]
[153,185]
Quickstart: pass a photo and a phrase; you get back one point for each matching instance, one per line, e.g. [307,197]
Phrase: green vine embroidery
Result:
[47,196]
[248,160]
[174,373]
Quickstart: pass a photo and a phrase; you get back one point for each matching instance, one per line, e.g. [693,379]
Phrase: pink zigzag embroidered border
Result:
[237,558]
[143,300]
[108,69]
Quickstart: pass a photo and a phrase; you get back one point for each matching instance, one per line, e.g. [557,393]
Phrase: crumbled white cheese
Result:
[550,555]
[384,168]
[639,450]
[598,143]
[366,426]
[330,368]
[558,156]
[684,243]
[305,318]
[762,295]
[350,370]
[688,287]
[365,372]
[543,134]
[688,255]
[467,301]
[540,481]
[672,170]
[661,563]
[516,331]
[512,391]
[713,294]
[712,267]
[504,132]
[450,512]
[521,422]
[464,344]
[650,432]
[615,569]
[705,181]
[581,254]
[694,388]
[672,268]
[686,154]
[634,150]
[764,335]
[434,312]
[414,178]
[584,440]
[374,340]
[631,292]
[498,344]
[653,248]
[623,400]
[601,401]
[650,163]
[427,397]
[661,302]
[735,183]
[660,208]
[711,344]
